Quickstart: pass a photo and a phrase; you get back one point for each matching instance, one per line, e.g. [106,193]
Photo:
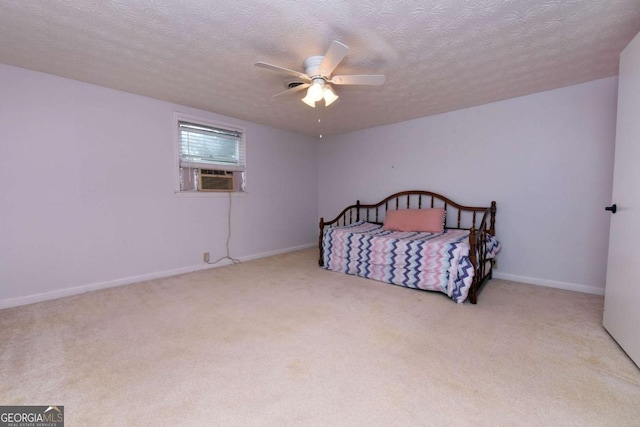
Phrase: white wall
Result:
[546,159]
[88,196]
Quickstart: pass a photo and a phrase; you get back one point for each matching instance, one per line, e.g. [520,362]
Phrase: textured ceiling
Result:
[437,55]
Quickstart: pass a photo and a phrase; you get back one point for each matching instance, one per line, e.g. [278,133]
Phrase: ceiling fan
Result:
[317,76]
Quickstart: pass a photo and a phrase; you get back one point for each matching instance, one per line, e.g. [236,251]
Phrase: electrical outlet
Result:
[494,263]
[205,257]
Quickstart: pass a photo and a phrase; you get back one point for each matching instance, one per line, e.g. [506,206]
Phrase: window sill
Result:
[214,194]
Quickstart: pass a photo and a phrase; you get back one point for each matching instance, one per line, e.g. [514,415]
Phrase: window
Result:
[211,156]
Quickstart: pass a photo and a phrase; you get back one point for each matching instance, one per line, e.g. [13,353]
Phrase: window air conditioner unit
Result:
[214,180]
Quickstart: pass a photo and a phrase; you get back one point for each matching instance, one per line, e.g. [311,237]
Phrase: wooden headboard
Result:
[458,216]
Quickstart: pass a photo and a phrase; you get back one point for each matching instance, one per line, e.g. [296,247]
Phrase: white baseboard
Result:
[61,293]
[550,283]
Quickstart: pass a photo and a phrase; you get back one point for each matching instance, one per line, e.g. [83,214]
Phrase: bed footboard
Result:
[349,215]
[478,253]
[480,221]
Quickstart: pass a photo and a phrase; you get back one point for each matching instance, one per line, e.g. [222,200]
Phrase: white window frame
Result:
[240,170]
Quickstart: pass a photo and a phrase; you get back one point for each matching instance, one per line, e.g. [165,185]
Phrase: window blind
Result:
[205,146]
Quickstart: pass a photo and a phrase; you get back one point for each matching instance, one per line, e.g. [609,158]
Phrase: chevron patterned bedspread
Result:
[433,262]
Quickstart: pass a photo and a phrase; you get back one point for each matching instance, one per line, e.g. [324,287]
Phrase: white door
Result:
[622,294]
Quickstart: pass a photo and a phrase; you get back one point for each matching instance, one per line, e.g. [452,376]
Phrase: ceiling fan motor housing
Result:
[312,66]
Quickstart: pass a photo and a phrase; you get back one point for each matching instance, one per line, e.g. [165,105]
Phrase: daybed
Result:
[417,239]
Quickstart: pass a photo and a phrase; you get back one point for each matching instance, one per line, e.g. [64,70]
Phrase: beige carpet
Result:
[281,342]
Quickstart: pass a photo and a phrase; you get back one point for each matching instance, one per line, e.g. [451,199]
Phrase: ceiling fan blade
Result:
[280,69]
[371,80]
[336,53]
[293,89]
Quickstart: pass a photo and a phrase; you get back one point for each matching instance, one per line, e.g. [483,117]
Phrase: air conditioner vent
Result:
[215,180]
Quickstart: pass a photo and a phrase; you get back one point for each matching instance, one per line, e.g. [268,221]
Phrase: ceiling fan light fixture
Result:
[309,101]
[316,91]
[329,95]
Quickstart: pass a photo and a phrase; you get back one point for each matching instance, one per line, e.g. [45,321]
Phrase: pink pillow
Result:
[427,220]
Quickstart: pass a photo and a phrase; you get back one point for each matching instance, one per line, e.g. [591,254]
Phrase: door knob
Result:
[613,208]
